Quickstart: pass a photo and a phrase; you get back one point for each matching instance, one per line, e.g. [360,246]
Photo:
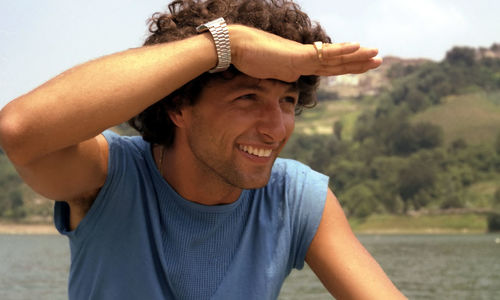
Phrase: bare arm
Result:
[342,264]
[82,102]
[52,133]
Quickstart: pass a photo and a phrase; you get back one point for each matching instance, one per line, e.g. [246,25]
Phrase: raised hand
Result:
[263,55]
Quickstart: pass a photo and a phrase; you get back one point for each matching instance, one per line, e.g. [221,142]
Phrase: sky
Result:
[40,39]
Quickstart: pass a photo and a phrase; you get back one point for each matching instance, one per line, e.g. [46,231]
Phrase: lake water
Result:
[422,266]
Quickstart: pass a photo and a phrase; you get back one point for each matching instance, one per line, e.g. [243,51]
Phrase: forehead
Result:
[242,81]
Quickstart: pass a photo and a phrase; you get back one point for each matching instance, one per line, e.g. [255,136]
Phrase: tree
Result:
[428,135]
[345,173]
[326,95]
[337,129]
[10,187]
[399,70]
[497,144]
[17,210]
[416,100]
[458,144]
[494,222]
[415,178]
[360,201]
[496,200]
[403,140]
[461,56]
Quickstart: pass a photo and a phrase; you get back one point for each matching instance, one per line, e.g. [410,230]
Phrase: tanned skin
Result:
[52,134]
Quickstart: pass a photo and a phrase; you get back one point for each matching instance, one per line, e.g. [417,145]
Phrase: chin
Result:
[250,183]
[255,186]
[258,183]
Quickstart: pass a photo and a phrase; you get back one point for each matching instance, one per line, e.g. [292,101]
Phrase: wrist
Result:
[237,35]
[220,35]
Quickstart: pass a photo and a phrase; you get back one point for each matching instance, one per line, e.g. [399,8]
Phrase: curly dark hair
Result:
[280,17]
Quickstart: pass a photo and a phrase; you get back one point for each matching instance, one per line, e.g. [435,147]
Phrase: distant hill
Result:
[474,117]
[321,119]
[411,136]
[370,83]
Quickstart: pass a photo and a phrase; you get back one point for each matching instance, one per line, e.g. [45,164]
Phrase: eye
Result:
[247,97]
[290,99]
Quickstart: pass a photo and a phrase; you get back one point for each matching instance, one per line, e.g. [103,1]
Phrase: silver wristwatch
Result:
[220,34]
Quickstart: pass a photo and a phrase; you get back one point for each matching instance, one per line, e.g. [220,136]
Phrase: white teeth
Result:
[256,151]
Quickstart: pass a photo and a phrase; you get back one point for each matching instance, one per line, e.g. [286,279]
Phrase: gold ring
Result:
[319,49]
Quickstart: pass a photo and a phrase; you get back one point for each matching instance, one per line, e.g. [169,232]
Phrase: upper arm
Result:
[75,172]
[342,264]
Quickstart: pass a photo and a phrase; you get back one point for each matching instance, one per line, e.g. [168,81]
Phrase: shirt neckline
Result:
[168,191]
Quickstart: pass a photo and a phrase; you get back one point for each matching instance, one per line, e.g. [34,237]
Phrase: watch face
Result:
[201,28]
[220,34]
[217,21]
[206,26]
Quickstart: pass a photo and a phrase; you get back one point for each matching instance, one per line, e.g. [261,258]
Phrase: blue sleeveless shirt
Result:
[141,240]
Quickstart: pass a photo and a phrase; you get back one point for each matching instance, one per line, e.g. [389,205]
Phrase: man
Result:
[200,207]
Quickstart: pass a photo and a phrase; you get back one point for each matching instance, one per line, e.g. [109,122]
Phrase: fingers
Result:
[360,54]
[334,50]
[346,58]
[355,67]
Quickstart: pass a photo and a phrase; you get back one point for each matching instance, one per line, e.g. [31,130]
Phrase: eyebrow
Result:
[255,84]
[292,86]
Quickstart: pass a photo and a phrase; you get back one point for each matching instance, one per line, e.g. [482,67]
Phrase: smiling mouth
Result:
[259,152]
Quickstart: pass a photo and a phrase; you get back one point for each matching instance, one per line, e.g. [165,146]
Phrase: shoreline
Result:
[464,223]
[28,229]
[49,229]
[419,231]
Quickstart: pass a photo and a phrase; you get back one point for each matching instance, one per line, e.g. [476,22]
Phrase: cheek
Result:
[289,123]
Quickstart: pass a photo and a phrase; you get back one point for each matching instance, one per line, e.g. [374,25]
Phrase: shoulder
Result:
[290,171]
[133,143]
[122,155]
[297,184]
[129,156]
[286,162]
[284,166]
[299,195]
[125,148]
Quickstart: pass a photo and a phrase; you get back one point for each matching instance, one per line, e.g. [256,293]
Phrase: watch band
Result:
[220,34]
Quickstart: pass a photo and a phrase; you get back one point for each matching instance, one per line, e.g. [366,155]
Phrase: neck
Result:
[190,182]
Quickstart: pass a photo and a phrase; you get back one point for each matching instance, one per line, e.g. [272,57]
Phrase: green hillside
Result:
[427,144]
[321,119]
[474,117]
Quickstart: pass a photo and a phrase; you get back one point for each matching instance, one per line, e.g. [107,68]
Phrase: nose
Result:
[273,123]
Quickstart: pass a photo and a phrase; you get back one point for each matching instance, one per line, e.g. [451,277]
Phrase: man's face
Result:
[237,128]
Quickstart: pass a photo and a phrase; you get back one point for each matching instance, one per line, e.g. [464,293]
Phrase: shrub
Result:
[494,222]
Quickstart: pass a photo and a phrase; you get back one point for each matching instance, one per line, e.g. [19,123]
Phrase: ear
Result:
[179,116]
[175,112]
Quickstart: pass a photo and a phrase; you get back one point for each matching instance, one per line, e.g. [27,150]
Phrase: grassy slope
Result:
[474,117]
[445,223]
[320,120]
[480,194]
